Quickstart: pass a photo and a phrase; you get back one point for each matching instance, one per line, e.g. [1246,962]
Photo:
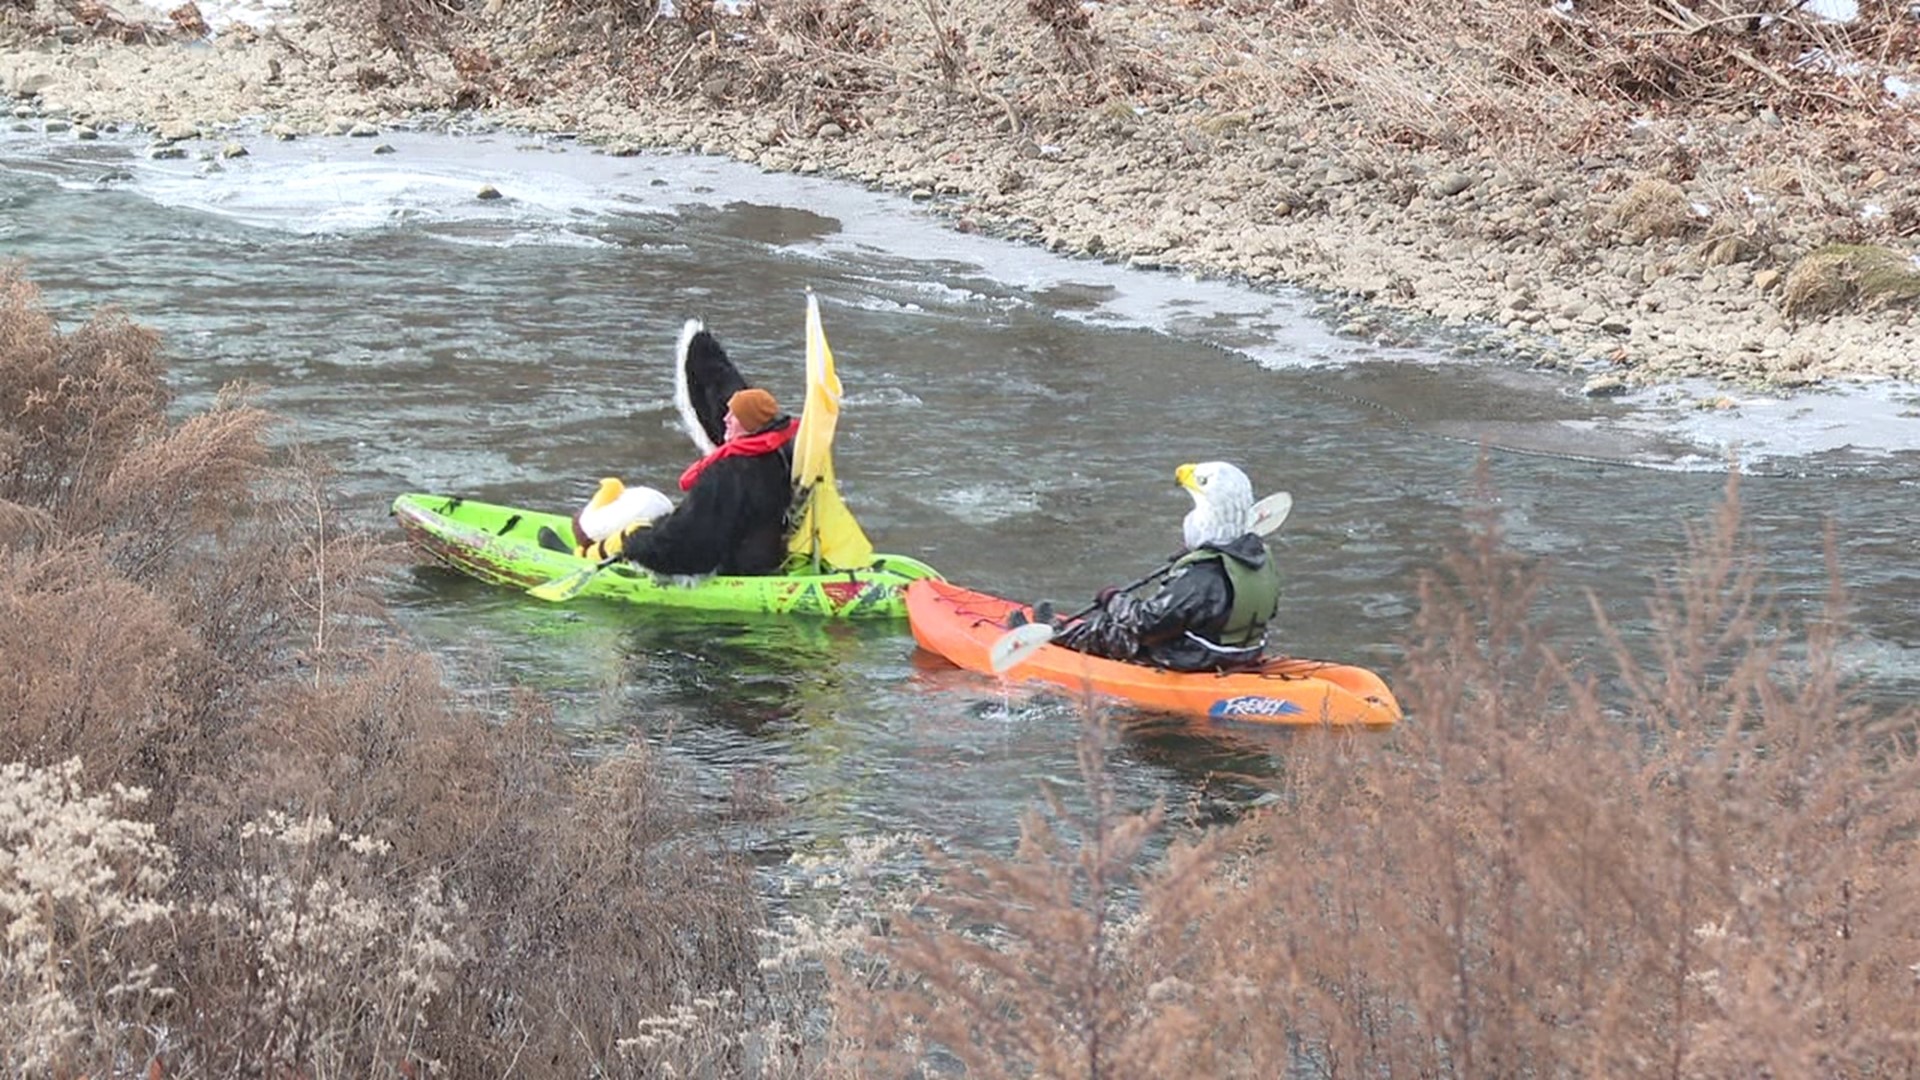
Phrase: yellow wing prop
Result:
[825,532]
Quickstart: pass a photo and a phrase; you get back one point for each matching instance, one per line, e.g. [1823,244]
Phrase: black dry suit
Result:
[1210,614]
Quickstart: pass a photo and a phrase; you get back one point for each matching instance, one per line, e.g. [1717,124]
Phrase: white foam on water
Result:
[338,185]
[985,504]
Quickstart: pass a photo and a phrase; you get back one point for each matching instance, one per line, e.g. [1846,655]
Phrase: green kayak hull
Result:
[500,544]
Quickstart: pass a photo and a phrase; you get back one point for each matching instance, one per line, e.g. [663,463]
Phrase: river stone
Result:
[160,151]
[362,130]
[384,148]
[487,192]
[233,150]
[1452,183]
[32,83]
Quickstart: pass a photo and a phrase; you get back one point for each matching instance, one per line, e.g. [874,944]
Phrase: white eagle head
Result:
[1222,503]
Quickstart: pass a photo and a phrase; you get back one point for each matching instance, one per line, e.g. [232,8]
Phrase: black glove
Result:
[633,544]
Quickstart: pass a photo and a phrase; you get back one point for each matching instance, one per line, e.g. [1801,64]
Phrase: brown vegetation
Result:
[246,833]
[1403,71]
[1708,870]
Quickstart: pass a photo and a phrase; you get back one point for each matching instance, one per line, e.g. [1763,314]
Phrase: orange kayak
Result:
[961,625]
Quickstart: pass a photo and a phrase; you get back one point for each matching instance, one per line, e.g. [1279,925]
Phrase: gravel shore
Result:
[1608,264]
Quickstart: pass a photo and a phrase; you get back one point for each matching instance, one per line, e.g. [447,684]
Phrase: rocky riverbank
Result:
[1737,246]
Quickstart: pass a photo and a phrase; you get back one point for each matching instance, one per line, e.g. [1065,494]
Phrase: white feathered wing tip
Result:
[682,395]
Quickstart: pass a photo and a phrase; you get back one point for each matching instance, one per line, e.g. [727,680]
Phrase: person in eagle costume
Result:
[1211,612]
[733,519]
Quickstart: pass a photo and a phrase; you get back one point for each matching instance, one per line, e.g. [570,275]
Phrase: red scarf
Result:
[761,442]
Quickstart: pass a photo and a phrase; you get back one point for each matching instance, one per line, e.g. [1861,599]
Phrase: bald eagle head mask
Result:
[1222,503]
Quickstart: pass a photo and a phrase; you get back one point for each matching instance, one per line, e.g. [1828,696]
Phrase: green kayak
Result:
[500,544]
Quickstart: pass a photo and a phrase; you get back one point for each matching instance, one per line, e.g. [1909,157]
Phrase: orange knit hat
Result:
[753,407]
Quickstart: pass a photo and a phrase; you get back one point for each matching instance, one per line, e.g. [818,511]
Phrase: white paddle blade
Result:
[1271,512]
[1017,644]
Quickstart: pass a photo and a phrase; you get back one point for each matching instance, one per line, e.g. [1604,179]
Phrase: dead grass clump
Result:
[1650,208]
[1695,857]
[345,873]
[1838,276]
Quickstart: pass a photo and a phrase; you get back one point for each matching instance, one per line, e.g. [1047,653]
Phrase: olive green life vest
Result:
[1256,596]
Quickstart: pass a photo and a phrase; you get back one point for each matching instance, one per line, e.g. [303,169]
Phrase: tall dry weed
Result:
[1687,853]
[337,870]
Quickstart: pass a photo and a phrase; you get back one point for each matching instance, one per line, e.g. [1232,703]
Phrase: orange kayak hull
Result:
[962,625]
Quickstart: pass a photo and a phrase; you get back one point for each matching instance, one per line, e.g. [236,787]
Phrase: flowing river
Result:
[1013,417]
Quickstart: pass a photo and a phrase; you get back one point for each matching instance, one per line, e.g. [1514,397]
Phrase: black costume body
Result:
[1185,624]
[734,517]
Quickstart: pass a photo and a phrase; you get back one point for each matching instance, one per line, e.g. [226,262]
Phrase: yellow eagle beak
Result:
[610,489]
[1184,476]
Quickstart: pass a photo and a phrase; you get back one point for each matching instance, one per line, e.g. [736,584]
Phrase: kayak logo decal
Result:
[1254,705]
[842,594]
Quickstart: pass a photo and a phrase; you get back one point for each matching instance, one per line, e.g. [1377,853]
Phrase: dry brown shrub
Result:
[357,875]
[1033,965]
[1837,276]
[1650,208]
[1690,854]
[1519,73]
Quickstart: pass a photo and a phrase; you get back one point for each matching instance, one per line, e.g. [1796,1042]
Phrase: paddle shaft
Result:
[565,588]
[1158,573]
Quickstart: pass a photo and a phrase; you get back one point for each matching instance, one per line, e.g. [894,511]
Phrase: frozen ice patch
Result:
[1872,419]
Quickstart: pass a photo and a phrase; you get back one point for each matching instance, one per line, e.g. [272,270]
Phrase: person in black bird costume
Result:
[734,517]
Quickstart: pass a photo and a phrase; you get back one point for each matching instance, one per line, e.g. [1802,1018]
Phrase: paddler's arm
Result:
[1198,597]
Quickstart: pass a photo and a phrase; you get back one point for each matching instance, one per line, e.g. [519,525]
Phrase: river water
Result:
[1013,417]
